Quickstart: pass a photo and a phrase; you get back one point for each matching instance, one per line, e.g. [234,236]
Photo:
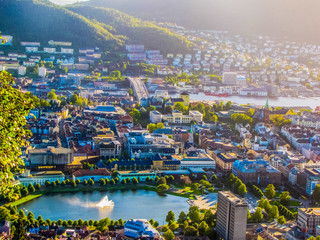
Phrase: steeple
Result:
[267,105]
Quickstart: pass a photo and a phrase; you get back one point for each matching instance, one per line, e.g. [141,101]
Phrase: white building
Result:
[49,50]
[176,117]
[42,71]
[41,177]
[229,78]
[22,70]
[67,50]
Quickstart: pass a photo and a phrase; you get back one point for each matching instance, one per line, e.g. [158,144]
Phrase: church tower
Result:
[266,112]
[191,136]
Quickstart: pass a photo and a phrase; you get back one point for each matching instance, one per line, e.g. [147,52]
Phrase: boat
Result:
[105,202]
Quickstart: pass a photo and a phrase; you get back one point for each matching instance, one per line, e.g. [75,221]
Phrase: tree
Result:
[182,217]
[31,188]
[161,188]
[53,184]
[242,190]
[273,213]
[80,222]
[30,216]
[59,222]
[130,91]
[181,107]
[316,193]
[74,98]
[191,231]
[123,181]
[20,229]
[135,180]
[162,180]
[194,214]
[203,228]
[52,95]
[112,182]
[102,182]
[24,191]
[285,198]
[14,106]
[250,112]
[73,183]
[170,216]
[91,182]
[38,186]
[151,127]
[4,213]
[270,191]
[85,182]
[279,120]
[257,216]
[47,183]
[135,114]
[282,220]
[77,181]
[168,235]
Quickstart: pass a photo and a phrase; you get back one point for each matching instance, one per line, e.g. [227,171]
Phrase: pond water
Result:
[127,204]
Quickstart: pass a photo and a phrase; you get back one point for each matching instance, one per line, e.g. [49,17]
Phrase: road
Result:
[139,88]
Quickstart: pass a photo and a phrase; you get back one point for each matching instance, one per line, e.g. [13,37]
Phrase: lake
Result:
[127,204]
[273,102]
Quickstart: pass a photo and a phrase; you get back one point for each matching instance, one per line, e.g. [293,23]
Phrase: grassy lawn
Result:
[293,203]
[26,199]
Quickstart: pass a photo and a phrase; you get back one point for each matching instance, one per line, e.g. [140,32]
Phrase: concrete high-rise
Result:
[231,216]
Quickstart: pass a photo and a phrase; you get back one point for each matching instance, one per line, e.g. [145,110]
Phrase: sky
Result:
[63,2]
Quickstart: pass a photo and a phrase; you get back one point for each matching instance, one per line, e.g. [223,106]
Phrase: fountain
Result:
[105,202]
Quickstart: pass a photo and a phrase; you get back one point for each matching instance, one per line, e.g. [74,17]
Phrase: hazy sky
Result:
[63,2]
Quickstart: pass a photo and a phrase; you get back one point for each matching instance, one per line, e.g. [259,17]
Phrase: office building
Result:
[231,216]
[308,219]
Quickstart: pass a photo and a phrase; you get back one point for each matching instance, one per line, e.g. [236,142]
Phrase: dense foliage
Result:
[14,106]
[137,31]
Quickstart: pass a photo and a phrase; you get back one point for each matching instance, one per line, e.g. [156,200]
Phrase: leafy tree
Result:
[75,223]
[194,214]
[162,180]
[316,193]
[31,188]
[161,188]
[282,220]
[47,183]
[59,222]
[182,217]
[135,114]
[80,222]
[203,228]
[20,229]
[151,127]
[242,190]
[250,112]
[77,181]
[112,182]
[91,182]
[241,118]
[168,235]
[191,231]
[52,95]
[130,91]
[30,216]
[24,191]
[102,182]
[14,106]
[123,181]
[85,182]
[270,191]
[285,198]
[53,184]
[135,181]
[170,216]
[4,213]
[181,107]
[273,213]
[279,120]
[257,216]
[58,182]
[73,183]
[22,214]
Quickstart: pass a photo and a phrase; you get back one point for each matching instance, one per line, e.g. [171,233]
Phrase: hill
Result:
[35,20]
[41,21]
[137,31]
[296,19]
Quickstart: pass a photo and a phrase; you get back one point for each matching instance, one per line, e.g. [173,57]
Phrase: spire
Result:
[267,105]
